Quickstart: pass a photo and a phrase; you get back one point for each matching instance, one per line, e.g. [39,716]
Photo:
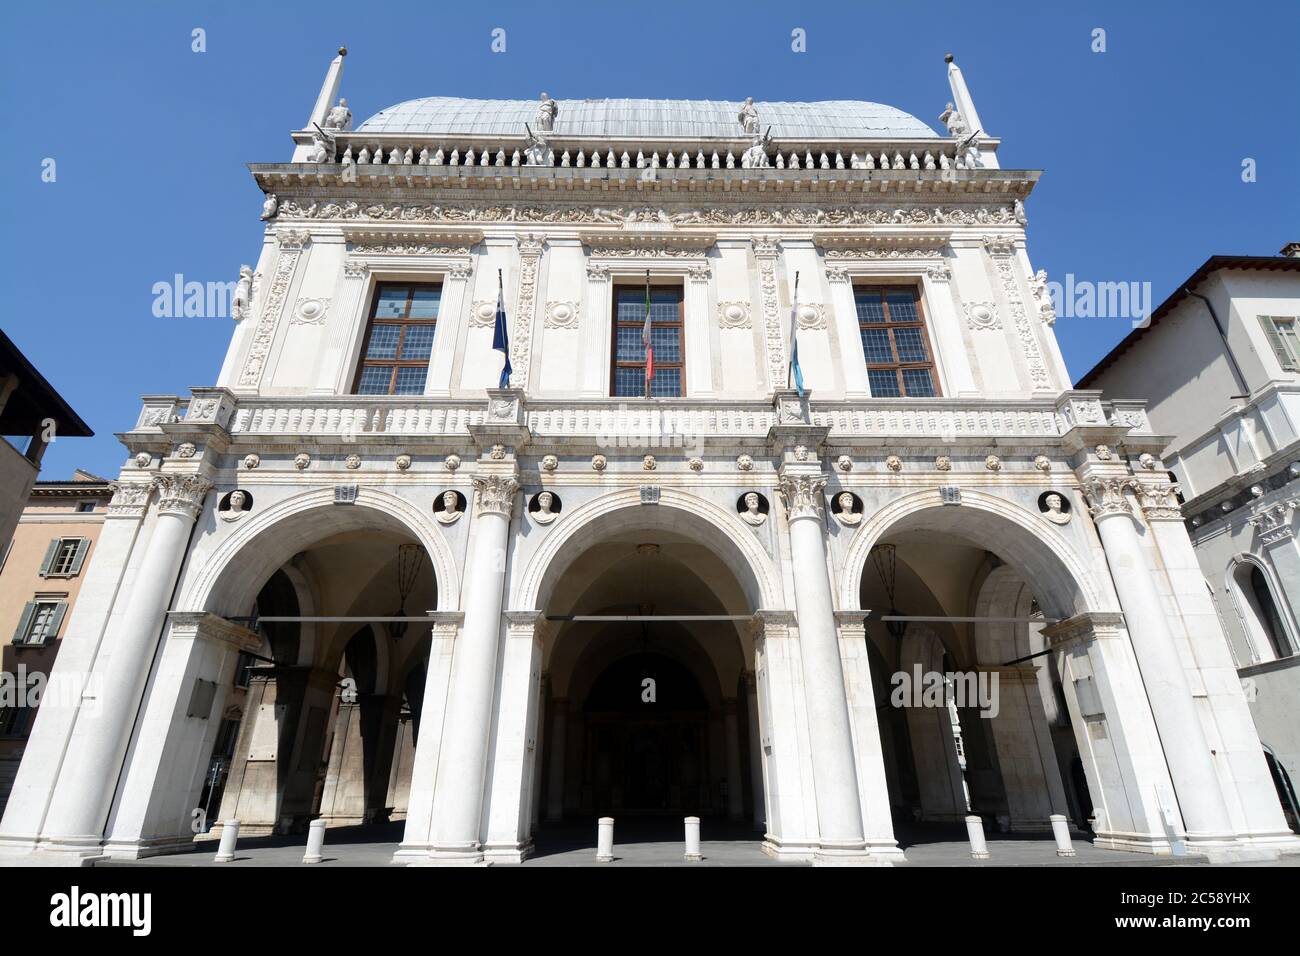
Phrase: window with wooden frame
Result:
[900,358]
[399,339]
[1283,334]
[667,338]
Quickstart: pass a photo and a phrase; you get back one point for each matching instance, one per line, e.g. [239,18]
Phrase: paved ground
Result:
[659,843]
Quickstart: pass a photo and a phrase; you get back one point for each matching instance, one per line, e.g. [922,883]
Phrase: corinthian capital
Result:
[802,496]
[1106,496]
[1159,501]
[495,495]
[181,494]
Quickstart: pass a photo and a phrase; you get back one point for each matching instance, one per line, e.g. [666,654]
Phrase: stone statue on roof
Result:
[339,117]
[748,116]
[951,117]
[547,111]
[756,156]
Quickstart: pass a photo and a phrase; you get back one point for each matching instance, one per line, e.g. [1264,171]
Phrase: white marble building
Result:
[1219,365]
[594,614]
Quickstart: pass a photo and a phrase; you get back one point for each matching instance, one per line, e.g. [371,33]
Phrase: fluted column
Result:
[839,817]
[1205,814]
[84,791]
[458,800]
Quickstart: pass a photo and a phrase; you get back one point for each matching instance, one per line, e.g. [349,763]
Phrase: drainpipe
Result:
[1227,349]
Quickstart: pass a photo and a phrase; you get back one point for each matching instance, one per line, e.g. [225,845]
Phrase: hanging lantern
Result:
[885,558]
[410,558]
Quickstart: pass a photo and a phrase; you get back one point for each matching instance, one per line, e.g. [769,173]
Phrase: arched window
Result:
[1259,612]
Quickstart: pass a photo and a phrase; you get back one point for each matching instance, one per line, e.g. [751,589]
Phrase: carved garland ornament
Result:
[530,254]
[1000,249]
[766,251]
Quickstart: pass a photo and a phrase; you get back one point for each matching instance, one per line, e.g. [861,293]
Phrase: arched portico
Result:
[982,572]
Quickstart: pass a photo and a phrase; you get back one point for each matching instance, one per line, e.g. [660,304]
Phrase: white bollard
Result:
[693,839]
[605,840]
[226,848]
[979,850]
[315,841]
[1061,830]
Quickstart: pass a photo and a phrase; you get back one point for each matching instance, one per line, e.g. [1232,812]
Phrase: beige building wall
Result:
[53,512]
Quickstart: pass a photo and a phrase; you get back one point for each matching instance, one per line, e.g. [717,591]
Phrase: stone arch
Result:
[267,539]
[732,540]
[1018,536]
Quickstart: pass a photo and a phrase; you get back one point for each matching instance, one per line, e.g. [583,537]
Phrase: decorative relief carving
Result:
[745,463]
[599,463]
[734,315]
[353,269]
[1001,249]
[943,463]
[251,461]
[982,315]
[494,495]
[939,272]
[483,314]
[1042,463]
[129,500]
[451,463]
[882,252]
[521,341]
[766,250]
[993,463]
[837,274]
[1159,500]
[403,462]
[561,315]
[865,215]
[802,496]
[290,250]
[844,463]
[1274,521]
[550,463]
[301,460]
[597,272]
[310,311]
[812,315]
[397,247]
[185,450]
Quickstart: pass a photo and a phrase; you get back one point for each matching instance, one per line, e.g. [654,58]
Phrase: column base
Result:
[830,855]
[26,851]
[456,854]
[140,849]
[508,852]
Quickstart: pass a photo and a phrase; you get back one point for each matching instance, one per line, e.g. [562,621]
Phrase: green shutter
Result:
[25,622]
[1280,351]
[50,553]
[83,545]
[56,621]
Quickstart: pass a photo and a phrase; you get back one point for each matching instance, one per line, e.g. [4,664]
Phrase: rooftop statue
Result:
[748,117]
[756,156]
[951,117]
[547,111]
[339,117]
[322,148]
[536,148]
[270,206]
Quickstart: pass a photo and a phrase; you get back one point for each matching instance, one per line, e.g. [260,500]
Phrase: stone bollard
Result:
[1061,830]
[979,850]
[693,839]
[315,841]
[605,840]
[226,848]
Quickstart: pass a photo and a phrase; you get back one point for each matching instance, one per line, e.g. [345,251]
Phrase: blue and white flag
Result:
[501,334]
[796,372]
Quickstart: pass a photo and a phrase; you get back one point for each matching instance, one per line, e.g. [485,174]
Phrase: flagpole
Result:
[794,331]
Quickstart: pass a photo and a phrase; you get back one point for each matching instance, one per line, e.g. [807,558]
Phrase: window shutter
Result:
[1275,342]
[83,545]
[24,622]
[50,553]
[56,621]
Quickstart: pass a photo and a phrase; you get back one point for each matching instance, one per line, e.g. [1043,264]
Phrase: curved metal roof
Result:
[629,118]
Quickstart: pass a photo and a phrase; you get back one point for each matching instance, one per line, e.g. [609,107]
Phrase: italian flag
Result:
[645,339]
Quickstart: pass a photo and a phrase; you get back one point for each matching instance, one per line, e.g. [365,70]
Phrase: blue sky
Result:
[1141,146]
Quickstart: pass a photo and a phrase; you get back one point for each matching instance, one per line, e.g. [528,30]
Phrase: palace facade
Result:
[361,577]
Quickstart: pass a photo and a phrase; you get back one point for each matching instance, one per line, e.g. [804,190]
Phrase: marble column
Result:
[555,778]
[839,817]
[1205,814]
[84,792]
[458,798]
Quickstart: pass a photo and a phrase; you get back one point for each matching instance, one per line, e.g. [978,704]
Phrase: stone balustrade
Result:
[613,422]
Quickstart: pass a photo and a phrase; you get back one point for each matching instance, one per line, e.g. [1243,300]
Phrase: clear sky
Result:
[1141,145]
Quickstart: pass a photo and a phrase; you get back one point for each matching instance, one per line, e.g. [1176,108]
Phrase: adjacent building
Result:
[1219,366]
[627,457]
[41,573]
